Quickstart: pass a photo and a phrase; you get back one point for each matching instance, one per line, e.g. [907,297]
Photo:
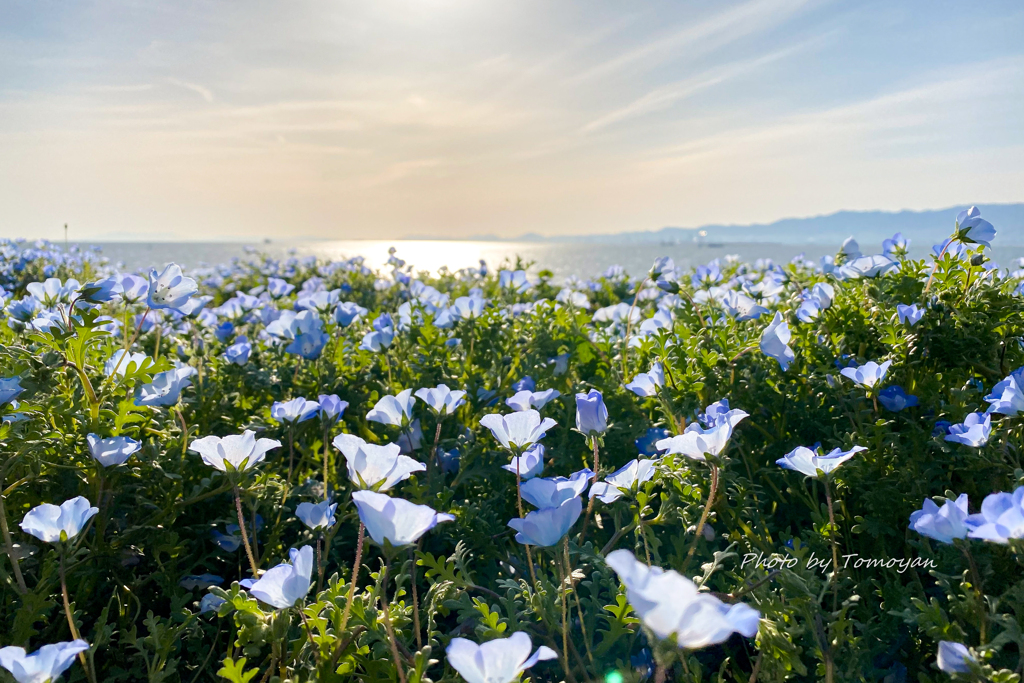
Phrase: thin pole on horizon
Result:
[65,237]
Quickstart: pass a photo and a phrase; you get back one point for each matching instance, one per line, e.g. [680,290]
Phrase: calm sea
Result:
[563,259]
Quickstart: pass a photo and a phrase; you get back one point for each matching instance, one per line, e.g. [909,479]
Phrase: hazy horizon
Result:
[456,119]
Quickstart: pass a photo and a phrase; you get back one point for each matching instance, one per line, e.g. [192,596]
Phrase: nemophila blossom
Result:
[1001,518]
[1007,397]
[308,345]
[441,399]
[647,444]
[591,414]
[45,664]
[210,603]
[165,389]
[286,584]
[240,452]
[698,443]
[411,438]
[331,408]
[552,492]
[775,342]
[909,315]
[56,524]
[449,460]
[741,306]
[633,473]
[719,412]
[517,431]
[132,289]
[525,383]
[895,246]
[120,362]
[547,526]
[867,375]
[865,267]
[468,307]
[396,520]
[808,311]
[169,288]
[223,331]
[382,336]
[646,384]
[317,515]
[98,292]
[194,581]
[112,451]
[974,431]
[513,280]
[375,467]
[393,410]
[502,660]
[953,658]
[347,312]
[228,542]
[10,389]
[894,398]
[526,399]
[238,353]
[52,291]
[294,411]
[973,229]
[278,288]
[943,524]
[804,460]
[670,604]
[528,465]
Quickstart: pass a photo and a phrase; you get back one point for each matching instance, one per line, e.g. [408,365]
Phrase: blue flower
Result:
[517,431]
[524,384]
[449,460]
[10,389]
[591,414]
[633,473]
[238,353]
[113,451]
[210,603]
[278,288]
[331,407]
[775,342]
[895,246]
[1001,518]
[513,280]
[719,412]
[308,345]
[526,399]
[501,660]
[286,584]
[99,292]
[974,431]
[395,520]
[530,464]
[120,361]
[953,658]
[973,229]
[943,524]
[294,411]
[132,289]
[867,375]
[317,515]
[165,388]
[193,581]
[646,443]
[807,462]
[240,452]
[223,331]
[56,524]
[909,315]
[547,526]
[697,443]
[45,664]
[169,288]
[375,467]
[669,604]
[441,399]
[941,427]
[894,398]
[1007,397]
[552,492]
[393,410]
[646,384]
[382,336]
[348,312]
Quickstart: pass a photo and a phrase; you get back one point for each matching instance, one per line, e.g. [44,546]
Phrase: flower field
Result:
[297,470]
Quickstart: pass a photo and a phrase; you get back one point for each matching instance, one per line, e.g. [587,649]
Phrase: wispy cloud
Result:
[205,93]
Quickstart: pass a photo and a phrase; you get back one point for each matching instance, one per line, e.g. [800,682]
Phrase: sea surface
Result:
[563,259]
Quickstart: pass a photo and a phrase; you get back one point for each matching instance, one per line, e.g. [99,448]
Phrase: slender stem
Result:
[70,615]
[309,633]
[519,503]
[159,334]
[355,576]
[565,632]
[391,631]
[327,481]
[319,564]
[703,516]
[416,599]
[976,575]
[437,440]
[9,544]
[184,434]
[245,535]
[291,451]
[576,596]
[131,343]
[936,266]
[590,504]
[835,549]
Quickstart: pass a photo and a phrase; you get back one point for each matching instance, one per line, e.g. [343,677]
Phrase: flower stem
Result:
[629,327]
[835,549]
[416,598]
[576,596]
[565,632]
[245,534]
[327,454]
[519,503]
[355,577]
[590,505]
[391,631]
[71,617]
[9,544]
[703,516]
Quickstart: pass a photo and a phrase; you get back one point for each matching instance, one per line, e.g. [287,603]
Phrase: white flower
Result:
[45,664]
[501,660]
[54,524]
[441,399]
[375,467]
[393,410]
[241,451]
[286,584]
[775,342]
[518,431]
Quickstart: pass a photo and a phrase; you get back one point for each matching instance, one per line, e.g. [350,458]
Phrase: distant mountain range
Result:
[869,227]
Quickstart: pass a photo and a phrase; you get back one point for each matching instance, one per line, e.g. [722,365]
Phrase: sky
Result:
[194,120]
